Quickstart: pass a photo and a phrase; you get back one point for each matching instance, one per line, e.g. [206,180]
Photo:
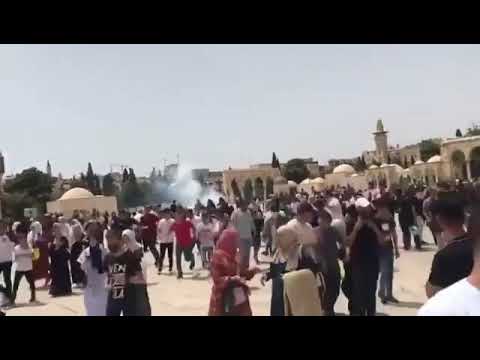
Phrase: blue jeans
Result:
[386,272]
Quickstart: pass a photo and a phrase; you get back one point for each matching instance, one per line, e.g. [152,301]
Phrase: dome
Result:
[76,193]
[317,180]
[385,165]
[419,162]
[292,183]
[406,171]
[372,167]
[435,159]
[305,182]
[354,175]
[280,180]
[344,169]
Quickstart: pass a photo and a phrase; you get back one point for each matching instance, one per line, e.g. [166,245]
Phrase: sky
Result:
[225,105]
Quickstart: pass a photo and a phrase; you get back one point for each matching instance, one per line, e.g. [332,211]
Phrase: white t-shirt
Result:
[206,234]
[164,236]
[304,232]
[23,258]
[459,299]
[6,249]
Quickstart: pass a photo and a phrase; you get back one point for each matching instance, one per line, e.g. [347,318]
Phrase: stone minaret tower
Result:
[381,142]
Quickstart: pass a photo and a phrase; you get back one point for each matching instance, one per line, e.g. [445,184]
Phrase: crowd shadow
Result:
[27,304]
[408,304]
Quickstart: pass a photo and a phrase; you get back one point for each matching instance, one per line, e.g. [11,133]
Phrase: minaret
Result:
[49,169]
[381,142]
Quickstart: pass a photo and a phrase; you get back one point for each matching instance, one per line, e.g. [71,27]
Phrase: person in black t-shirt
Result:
[364,240]
[455,261]
[127,288]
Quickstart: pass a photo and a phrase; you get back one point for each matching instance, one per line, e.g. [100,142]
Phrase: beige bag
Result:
[300,294]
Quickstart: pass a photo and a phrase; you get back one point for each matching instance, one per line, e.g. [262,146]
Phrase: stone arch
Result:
[459,164]
[475,162]
[269,186]
[235,189]
[248,190]
[259,188]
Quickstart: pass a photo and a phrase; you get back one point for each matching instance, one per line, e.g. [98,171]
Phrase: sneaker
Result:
[33,300]
[192,265]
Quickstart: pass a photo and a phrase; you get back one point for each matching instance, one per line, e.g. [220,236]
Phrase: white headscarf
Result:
[132,243]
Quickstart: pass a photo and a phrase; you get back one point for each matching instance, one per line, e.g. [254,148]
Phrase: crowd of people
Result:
[307,240]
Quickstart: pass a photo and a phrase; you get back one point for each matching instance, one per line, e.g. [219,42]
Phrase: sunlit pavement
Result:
[191,295]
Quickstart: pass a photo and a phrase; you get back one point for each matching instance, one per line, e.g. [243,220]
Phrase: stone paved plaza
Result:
[190,296]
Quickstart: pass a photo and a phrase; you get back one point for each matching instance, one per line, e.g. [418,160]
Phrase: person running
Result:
[185,240]
[6,257]
[127,292]
[166,239]
[364,240]
[242,221]
[79,244]
[23,260]
[149,233]
[407,219]
[59,258]
[206,235]
[431,220]
[91,261]
[455,260]
[463,297]
[230,291]
[387,251]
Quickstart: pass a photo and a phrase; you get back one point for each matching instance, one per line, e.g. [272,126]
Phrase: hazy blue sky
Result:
[221,105]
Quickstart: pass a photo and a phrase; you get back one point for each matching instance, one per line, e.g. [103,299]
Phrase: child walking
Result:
[23,260]
[206,235]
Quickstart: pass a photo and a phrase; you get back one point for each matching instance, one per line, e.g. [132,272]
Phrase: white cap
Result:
[362,202]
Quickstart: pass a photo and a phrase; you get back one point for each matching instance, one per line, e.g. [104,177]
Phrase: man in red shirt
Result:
[149,233]
[185,240]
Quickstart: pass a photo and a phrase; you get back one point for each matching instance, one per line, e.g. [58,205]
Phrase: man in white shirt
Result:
[166,238]
[6,257]
[301,224]
[463,297]
[242,220]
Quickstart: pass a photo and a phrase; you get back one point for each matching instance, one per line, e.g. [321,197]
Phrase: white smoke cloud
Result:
[186,190]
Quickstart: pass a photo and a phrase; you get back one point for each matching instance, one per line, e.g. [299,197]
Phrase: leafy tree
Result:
[296,170]
[275,162]
[109,188]
[132,195]
[428,148]
[458,133]
[474,130]
[360,164]
[30,188]
[153,176]
[131,175]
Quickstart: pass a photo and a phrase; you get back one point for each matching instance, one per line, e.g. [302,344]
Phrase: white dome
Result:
[384,165]
[354,175]
[435,159]
[292,183]
[305,182]
[76,193]
[344,169]
[419,162]
[317,180]
[372,167]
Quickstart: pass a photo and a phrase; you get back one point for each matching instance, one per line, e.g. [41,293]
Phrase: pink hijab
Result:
[228,242]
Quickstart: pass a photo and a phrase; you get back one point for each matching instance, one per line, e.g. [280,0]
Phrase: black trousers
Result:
[187,253]
[6,269]
[166,247]
[332,285]
[150,244]
[134,303]
[16,282]
[364,289]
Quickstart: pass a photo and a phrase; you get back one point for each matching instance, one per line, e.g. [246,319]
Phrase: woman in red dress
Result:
[230,291]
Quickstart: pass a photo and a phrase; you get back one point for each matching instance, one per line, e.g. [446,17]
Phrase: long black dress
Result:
[78,276]
[59,271]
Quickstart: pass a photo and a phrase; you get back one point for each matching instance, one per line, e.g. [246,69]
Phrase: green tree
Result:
[124,176]
[428,148]
[131,175]
[132,195]
[458,133]
[275,162]
[30,188]
[108,186]
[296,170]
